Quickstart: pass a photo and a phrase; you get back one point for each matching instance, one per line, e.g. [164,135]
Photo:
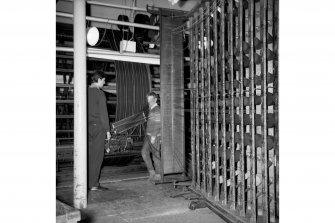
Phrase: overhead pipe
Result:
[80,113]
[121,57]
[133,8]
[116,55]
[110,21]
[89,71]
[117,6]
[94,50]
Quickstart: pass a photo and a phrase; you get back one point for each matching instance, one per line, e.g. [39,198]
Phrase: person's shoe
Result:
[99,188]
[157,177]
[152,174]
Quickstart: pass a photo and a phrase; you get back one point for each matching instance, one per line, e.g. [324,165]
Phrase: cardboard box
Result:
[127,46]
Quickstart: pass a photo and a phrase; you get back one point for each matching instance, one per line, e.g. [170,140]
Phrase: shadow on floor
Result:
[132,198]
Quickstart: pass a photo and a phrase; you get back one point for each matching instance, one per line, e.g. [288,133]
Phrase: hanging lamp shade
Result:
[141,33]
[123,18]
[92,36]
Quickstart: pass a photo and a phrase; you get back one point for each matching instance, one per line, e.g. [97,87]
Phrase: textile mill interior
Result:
[210,67]
[149,111]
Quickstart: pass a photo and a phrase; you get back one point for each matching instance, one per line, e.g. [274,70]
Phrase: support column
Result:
[80,113]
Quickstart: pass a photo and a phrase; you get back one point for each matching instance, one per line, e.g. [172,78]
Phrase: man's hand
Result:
[109,136]
[152,139]
[108,150]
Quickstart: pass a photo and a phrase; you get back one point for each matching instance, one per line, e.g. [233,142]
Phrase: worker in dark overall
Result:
[98,129]
[151,144]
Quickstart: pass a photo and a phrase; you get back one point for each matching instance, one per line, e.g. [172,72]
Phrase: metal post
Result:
[265,168]
[191,48]
[216,110]
[208,104]
[265,154]
[80,126]
[276,111]
[242,202]
[223,112]
[253,161]
[197,134]
[202,104]
[232,110]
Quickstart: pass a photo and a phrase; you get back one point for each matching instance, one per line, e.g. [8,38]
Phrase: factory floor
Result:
[132,198]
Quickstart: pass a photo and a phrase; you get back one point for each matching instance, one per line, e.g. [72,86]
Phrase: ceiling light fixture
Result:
[92,36]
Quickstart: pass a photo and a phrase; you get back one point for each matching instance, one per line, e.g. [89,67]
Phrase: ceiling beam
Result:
[132,8]
[116,55]
[110,21]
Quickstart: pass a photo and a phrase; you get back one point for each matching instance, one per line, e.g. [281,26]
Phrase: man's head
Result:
[152,98]
[98,77]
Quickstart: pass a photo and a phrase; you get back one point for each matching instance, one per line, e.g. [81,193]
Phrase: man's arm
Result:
[154,125]
[104,113]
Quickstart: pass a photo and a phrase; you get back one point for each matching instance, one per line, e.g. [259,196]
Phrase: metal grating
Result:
[234,107]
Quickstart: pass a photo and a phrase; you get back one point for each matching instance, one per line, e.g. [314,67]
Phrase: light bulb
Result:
[92,36]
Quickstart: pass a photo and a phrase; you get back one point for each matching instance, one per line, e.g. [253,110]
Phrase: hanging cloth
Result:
[133,83]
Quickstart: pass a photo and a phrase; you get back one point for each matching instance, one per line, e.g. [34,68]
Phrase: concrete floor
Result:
[132,198]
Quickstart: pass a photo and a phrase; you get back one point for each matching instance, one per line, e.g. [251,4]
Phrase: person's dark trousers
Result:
[96,148]
[146,151]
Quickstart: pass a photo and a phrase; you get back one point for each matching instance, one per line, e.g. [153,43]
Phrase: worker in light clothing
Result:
[151,144]
[98,129]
